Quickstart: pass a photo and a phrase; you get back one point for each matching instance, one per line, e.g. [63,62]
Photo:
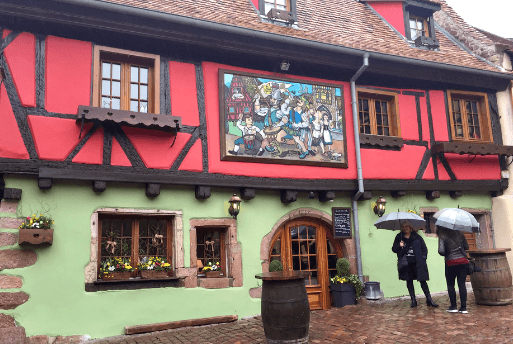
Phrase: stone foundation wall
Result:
[11,257]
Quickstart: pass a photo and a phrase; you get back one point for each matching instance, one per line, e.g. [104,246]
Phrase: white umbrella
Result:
[456,219]
[394,220]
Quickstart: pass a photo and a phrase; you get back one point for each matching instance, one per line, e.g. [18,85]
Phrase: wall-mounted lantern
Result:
[234,208]
[379,206]
[284,65]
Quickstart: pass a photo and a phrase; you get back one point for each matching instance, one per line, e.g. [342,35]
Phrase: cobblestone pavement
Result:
[391,321]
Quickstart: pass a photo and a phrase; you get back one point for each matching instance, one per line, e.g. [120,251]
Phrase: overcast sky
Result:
[495,16]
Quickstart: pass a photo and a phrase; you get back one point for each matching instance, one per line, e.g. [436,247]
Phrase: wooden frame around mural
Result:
[279,120]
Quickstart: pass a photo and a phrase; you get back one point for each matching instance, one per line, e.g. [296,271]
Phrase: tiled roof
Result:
[497,39]
[346,23]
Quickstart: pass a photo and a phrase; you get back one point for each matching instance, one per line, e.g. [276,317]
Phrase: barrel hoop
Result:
[493,270]
[485,288]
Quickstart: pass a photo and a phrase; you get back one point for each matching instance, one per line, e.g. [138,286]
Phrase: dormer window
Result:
[419,23]
[418,27]
[278,11]
[278,4]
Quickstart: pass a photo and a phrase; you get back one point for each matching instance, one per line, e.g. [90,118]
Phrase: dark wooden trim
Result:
[441,185]
[447,167]
[367,195]
[381,141]
[247,193]
[180,323]
[398,194]
[455,194]
[20,113]
[325,196]
[152,190]
[471,148]
[183,153]
[9,193]
[416,143]
[127,146]
[423,165]
[432,195]
[165,90]
[107,144]
[99,186]
[40,71]
[494,118]
[8,39]
[448,116]
[288,196]
[419,116]
[413,93]
[81,144]
[200,90]
[202,192]
[378,89]
[45,183]
[430,118]
[129,118]
[135,283]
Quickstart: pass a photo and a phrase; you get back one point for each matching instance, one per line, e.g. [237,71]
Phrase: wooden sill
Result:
[474,148]
[381,141]
[135,283]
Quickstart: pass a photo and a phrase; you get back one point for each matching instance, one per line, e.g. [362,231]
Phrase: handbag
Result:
[402,263]
[472,267]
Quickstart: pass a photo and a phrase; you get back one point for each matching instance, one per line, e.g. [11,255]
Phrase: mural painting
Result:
[281,121]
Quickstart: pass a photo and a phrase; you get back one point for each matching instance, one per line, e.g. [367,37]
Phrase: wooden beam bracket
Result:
[247,193]
[152,190]
[99,186]
[44,183]
[202,192]
[288,196]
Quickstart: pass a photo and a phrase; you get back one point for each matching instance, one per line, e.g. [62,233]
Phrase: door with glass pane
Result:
[305,245]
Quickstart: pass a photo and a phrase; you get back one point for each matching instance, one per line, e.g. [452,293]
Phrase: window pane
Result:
[378,120]
[276,248]
[144,92]
[303,232]
[105,87]
[386,131]
[105,103]
[115,103]
[144,75]
[134,74]
[474,107]
[385,120]
[413,34]
[295,247]
[116,88]
[143,107]
[378,106]
[420,25]
[134,105]
[105,70]
[134,91]
[116,71]
[456,105]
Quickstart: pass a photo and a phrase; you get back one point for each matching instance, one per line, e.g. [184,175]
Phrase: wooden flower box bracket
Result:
[35,236]
[167,123]
[471,148]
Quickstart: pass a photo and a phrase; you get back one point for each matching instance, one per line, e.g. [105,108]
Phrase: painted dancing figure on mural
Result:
[293,124]
[252,137]
[317,131]
[326,136]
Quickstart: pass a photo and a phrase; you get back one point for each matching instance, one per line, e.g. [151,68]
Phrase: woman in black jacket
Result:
[408,243]
[452,245]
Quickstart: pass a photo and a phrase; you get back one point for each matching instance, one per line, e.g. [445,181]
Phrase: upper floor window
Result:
[418,27]
[378,113]
[469,116]
[418,22]
[278,4]
[126,80]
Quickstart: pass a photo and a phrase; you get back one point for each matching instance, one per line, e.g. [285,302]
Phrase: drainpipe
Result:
[356,130]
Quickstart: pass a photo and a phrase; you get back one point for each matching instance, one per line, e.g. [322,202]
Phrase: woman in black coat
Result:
[408,243]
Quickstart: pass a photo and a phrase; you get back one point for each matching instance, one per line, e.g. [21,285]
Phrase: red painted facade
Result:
[392,12]
[69,82]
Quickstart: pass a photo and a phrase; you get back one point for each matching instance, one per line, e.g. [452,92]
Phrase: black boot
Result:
[430,302]
[425,289]
[413,301]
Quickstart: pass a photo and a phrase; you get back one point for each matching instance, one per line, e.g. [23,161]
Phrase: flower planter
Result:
[150,274]
[343,294]
[117,275]
[35,236]
[213,274]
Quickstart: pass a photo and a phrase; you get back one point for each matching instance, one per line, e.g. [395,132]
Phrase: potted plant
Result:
[345,287]
[36,230]
[114,268]
[154,267]
[275,265]
[213,270]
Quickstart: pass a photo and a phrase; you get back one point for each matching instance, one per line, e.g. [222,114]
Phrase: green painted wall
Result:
[59,305]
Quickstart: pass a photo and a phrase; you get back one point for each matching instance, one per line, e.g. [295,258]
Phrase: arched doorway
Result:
[306,244]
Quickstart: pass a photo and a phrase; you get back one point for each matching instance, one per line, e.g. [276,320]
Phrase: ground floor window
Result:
[211,248]
[135,239]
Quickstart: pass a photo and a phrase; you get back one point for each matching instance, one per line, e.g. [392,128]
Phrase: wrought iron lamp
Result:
[234,207]
[379,207]
[284,65]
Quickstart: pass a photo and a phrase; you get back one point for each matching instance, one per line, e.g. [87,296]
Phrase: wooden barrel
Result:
[285,311]
[493,285]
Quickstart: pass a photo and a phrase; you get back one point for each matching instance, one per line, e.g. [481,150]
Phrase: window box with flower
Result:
[213,270]
[154,267]
[36,230]
[115,268]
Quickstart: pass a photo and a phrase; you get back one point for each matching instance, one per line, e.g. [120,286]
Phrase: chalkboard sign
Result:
[341,223]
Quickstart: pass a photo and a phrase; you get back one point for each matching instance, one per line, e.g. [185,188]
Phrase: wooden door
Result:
[305,245]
